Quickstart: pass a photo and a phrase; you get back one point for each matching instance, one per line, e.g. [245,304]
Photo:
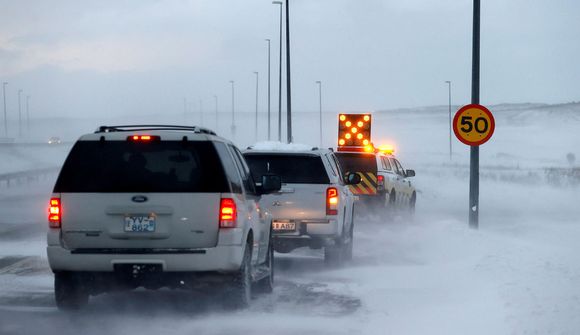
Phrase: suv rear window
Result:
[351,162]
[163,166]
[292,169]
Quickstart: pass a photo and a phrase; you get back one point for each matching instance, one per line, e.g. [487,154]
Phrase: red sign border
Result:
[483,109]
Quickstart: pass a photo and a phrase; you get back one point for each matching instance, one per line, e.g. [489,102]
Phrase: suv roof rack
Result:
[195,129]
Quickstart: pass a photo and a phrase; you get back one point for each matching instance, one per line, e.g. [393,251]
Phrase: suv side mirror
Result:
[410,173]
[271,183]
[352,178]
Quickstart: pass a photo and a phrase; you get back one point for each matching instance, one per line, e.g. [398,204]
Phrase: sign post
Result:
[474,125]
[474,154]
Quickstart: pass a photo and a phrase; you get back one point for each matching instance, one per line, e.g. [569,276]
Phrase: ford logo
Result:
[139,198]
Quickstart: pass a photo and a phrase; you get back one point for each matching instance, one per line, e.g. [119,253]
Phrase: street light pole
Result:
[320,108]
[5,115]
[27,116]
[233,118]
[280,77]
[288,81]
[256,116]
[201,111]
[216,113]
[450,148]
[184,111]
[269,137]
[19,114]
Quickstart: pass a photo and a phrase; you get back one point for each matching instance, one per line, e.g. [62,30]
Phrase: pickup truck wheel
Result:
[390,205]
[349,244]
[240,289]
[335,255]
[266,284]
[69,292]
[411,208]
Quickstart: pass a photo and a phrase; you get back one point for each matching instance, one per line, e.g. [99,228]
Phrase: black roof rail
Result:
[195,129]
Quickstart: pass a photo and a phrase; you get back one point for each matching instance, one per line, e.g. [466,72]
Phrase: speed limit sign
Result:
[473,124]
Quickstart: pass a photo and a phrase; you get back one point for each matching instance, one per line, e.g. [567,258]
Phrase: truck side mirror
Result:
[271,183]
[410,173]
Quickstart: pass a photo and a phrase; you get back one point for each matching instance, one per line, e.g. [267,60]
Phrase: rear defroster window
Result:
[164,166]
[292,169]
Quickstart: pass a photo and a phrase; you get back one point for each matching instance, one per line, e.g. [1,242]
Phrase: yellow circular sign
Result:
[473,124]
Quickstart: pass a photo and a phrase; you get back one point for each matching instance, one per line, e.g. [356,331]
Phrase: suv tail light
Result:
[54,213]
[331,201]
[228,213]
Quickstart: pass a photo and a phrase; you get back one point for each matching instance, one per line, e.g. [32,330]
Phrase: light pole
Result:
[201,111]
[233,118]
[216,112]
[256,116]
[27,116]
[5,116]
[320,107]
[450,149]
[280,77]
[184,111]
[268,40]
[288,82]
[19,114]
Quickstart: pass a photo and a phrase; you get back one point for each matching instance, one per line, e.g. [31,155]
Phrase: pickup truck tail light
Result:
[54,213]
[331,201]
[228,213]
[380,182]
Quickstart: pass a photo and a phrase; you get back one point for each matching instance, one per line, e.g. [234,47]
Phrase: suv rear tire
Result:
[69,292]
[239,292]
[266,284]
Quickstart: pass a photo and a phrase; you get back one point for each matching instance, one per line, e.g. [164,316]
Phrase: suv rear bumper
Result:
[221,258]
[226,256]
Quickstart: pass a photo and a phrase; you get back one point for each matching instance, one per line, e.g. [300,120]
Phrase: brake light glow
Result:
[380,181]
[54,213]
[331,201]
[228,213]
[143,138]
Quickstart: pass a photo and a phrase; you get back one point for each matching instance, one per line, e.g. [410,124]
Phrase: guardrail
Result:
[22,177]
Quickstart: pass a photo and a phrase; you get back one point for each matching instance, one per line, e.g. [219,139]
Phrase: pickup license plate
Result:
[140,224]
[283,226]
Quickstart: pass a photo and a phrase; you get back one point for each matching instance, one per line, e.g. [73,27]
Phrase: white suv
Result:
[158,206]
[314,207]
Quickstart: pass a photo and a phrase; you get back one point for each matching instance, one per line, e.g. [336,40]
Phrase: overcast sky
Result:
[144,56]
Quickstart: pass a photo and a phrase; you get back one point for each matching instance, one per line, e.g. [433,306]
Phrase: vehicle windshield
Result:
[292,169]
[123,166]
[354,162]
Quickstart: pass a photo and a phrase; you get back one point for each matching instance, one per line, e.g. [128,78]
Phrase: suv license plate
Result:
[140,224]
[283,226]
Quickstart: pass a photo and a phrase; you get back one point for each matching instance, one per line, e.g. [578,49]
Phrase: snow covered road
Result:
[517,275]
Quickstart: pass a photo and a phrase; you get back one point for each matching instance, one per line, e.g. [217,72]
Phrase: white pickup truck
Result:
[314,208]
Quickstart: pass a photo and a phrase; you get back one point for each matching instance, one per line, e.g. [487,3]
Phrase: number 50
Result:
[480,124]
